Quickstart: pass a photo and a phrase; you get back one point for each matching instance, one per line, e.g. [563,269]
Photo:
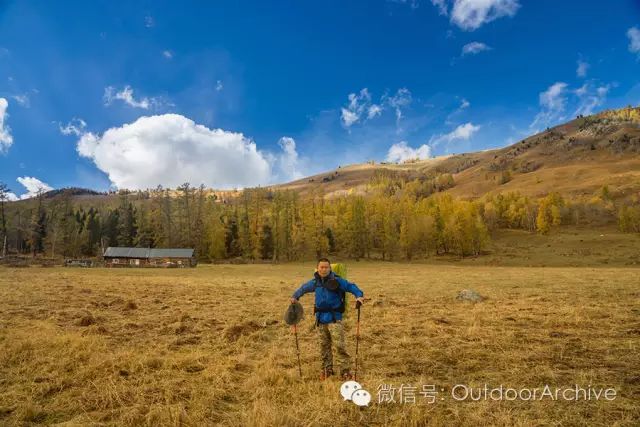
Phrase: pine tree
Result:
[38,226]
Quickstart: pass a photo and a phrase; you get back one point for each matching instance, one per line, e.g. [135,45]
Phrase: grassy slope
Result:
[201,346]
[570,167]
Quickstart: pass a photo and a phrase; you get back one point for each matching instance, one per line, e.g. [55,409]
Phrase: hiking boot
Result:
[326,373]
[346,376]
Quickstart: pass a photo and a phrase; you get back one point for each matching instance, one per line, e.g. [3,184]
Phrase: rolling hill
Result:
[576,159]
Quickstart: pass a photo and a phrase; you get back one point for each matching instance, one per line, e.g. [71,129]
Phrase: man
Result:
[330,290]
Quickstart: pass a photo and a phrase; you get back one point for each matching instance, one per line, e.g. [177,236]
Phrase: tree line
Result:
[396,218]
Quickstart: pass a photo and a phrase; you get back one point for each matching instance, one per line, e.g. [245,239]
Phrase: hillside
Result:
[575,159]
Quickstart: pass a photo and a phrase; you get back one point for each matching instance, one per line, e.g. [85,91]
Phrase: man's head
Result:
[324,267]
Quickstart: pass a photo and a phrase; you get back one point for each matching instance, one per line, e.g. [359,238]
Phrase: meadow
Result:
[208,346]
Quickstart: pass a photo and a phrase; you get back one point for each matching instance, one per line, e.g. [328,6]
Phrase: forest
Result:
[398,217]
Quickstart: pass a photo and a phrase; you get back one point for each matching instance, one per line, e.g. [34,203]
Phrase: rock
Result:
[469,295]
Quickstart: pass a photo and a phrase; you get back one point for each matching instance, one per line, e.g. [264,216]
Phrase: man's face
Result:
[324,268]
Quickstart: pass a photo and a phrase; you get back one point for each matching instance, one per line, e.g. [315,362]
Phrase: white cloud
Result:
[149,22]
[590,97]
[22,100]
[11,197]
[374,110]
[401,152]
[583,66]
[554,97]
[75,127]
[401,99]
[461,133]
[441,5]
[474,48]
[288,161]
[464,104]
[358,104]
[126,96]
[167,54]
[349,117]
[361,108]
[171,149]
[413,3]
[219,86]
[553,102]
[634,40]
[33,186]
[6,140]
[470,15]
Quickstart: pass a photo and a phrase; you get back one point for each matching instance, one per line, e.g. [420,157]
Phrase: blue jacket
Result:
[326,299]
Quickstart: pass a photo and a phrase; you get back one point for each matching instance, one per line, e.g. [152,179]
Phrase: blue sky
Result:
[108,94]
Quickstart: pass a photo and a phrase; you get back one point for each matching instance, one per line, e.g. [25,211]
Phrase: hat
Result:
[294,314]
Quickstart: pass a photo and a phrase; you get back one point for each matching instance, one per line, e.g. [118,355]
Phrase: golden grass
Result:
[208,346]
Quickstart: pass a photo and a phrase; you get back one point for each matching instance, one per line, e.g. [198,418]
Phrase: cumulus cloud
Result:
[126,96]
[33,186]
[171,149]
[401,152]
[461,133]
[634,40]
[11,197]
[469,15]
[581,70]
[6,140]
[474,48]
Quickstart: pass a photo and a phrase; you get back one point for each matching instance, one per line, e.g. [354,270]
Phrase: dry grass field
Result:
[208,346]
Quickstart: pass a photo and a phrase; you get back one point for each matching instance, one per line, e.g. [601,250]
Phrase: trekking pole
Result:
[295,333]
[292,317]
[355,374]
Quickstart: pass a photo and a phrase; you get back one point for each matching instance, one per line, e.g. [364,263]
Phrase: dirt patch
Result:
[236,331]
[86,320]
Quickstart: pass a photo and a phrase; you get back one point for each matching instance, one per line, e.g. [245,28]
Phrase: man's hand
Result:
[293,300]
[360,300]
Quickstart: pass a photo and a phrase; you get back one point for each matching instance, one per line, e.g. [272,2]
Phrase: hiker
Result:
[329,305]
